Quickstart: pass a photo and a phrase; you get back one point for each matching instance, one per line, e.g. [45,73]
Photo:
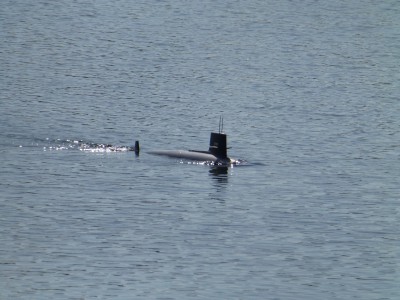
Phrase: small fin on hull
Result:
[137,147]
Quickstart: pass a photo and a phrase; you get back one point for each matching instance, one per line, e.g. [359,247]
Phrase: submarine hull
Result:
[199,156]
[186,154]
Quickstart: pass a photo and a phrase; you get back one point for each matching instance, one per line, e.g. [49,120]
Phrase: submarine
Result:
[217,153]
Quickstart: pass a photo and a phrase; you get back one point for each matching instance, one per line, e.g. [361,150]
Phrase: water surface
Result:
[310,96]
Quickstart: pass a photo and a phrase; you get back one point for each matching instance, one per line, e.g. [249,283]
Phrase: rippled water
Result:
[310,95]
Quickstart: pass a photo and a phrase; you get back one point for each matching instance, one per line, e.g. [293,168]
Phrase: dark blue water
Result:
[310,94]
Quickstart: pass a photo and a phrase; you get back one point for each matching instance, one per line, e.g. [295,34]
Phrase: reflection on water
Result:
[219,170]
[220,174]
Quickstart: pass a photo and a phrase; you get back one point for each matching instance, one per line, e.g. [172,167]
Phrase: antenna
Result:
[221,125]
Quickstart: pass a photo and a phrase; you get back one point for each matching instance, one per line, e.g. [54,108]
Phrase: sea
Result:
[309,92]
